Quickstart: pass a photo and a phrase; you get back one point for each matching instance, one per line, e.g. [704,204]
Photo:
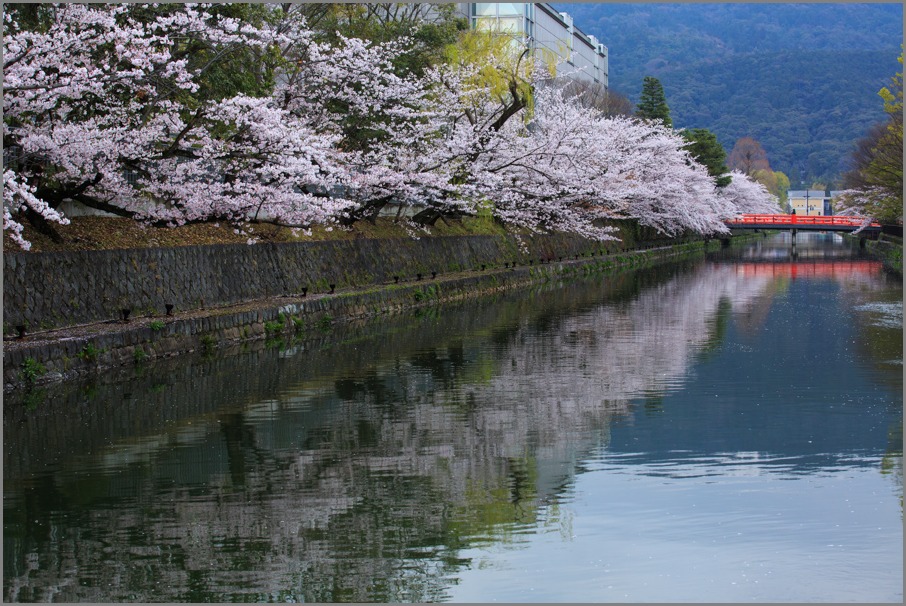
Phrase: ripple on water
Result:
[886,315]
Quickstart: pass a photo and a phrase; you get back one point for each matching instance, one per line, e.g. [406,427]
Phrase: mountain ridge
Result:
[801,78]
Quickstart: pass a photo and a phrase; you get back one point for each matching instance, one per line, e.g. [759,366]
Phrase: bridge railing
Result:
[794,220]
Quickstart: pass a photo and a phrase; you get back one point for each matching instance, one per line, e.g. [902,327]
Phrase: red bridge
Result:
[805,222]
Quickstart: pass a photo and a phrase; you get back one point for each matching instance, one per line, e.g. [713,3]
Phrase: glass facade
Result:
[546,30]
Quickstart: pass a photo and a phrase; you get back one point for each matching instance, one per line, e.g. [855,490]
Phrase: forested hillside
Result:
[800,78]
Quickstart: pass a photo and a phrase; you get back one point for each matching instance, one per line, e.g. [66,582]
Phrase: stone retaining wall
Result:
[50,290]
[67,354]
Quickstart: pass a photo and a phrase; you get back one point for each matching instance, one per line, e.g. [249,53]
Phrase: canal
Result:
[727,428]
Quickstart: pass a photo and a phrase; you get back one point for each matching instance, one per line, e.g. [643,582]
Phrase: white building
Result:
[584,57]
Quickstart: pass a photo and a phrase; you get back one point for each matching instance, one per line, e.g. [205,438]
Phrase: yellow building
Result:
[814,202]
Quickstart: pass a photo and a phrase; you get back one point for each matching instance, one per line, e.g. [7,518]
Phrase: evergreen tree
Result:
[707,150]
[653,104]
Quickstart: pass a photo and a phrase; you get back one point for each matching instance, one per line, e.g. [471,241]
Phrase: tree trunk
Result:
[368,211]
[42,225]
[428,216]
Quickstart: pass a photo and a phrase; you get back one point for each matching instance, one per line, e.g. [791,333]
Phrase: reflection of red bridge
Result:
[805,222]
[815,269]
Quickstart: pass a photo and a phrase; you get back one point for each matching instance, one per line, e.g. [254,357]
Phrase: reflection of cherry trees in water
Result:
[613,353]
[365,479]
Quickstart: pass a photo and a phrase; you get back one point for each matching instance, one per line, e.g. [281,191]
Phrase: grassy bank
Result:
[105,233]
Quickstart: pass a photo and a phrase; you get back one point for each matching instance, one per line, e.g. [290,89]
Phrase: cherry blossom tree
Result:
[555,164]
[533,169]
[864,203]
[655,180]
[18,196]
[748,196]
[98,107]
[467,102]
[385,124]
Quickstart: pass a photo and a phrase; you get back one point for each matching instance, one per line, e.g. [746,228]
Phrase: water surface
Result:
[724,429]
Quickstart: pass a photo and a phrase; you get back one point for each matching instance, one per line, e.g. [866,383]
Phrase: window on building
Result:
[484,9]
[507,17]
[509,9]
